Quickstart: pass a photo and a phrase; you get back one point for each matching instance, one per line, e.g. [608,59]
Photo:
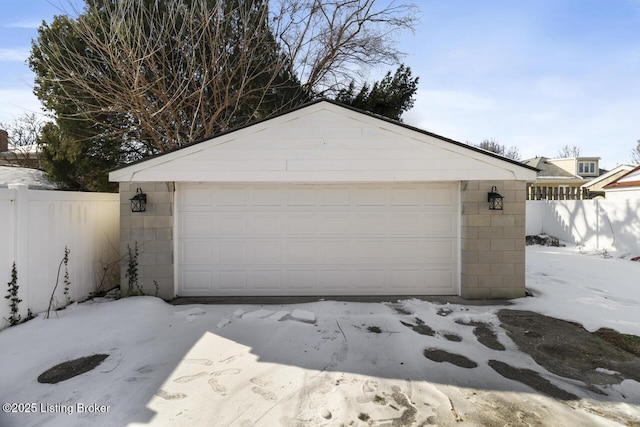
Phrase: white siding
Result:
[323,143]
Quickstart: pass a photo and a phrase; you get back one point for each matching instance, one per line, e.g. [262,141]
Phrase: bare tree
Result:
[569,152]
[157,75]
[329,40]
[635,154]
[492,145]
[23,133]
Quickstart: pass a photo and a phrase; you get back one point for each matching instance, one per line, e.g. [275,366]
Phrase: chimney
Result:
[4,141]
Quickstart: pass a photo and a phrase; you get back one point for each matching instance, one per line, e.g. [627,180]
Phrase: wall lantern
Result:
[139,201]
[495,200]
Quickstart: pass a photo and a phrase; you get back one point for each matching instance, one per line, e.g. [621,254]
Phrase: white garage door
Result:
[317,239]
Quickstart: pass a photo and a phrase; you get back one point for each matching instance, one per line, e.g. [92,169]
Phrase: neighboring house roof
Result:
[547,170]
[320,129]
[630,179]
[611,175]
[34,178]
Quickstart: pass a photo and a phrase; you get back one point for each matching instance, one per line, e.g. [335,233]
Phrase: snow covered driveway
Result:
[404,363]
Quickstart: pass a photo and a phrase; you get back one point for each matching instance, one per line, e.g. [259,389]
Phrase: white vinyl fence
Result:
[596,224]
[36,225]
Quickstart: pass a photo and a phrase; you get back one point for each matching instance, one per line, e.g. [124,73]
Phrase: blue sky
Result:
[536,74]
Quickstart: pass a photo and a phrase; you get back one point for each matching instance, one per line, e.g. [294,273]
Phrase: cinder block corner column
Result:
[153,232]
[493,241]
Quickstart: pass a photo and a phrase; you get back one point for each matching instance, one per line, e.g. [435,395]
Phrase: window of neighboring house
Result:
[586,168]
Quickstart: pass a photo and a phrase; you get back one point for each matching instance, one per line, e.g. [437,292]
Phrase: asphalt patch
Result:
[530,378]
[71,368]
[452,337]
[440,355]
[420,327]
[568,350]
[487,337]
[484,334]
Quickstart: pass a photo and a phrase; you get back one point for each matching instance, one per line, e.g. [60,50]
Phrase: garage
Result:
[324,200]
[296,239]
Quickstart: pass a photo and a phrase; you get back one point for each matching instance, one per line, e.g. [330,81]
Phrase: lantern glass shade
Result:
[139,201]
[495,200]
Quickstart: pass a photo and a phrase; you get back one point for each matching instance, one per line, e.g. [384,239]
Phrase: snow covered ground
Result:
[322,363]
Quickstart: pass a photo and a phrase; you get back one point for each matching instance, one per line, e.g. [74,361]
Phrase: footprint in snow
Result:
[170,396]
[224,372]
[217,387]
[203,362]
[266,394]
[260,382]
[189,378]
[230,358]
[369,386]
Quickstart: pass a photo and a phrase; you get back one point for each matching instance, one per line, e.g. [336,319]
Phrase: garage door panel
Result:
[200,281]
[406,224]
[232,280]
[336,224]
[234,225]
[369,224]
[335,280]
[371,280]
[370,251]
[367,196]
[332,251]
[438,279]
[266,196]
[321,239]
[302,281]
[302,251]
[302,196]
[406,251]
[195,225]
[232,252]
[266,252]
[230,196]
[437,196]
[339,196]
[196,252]
[195,197]
[301,224]
[406,279]
[440,224]
[265,224]
[266,280]
[443,251]
[406,196]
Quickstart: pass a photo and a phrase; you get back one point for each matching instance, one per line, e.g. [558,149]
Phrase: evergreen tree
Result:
[131,78]
[390,97]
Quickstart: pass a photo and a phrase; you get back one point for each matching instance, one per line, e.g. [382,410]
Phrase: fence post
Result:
[21,241]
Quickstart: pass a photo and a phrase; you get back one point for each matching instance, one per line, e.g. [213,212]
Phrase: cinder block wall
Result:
[153,231]
[493,242]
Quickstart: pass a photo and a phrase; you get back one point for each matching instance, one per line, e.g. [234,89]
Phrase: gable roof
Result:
[604,175]
[323,141]
[547,169]
[630,179]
